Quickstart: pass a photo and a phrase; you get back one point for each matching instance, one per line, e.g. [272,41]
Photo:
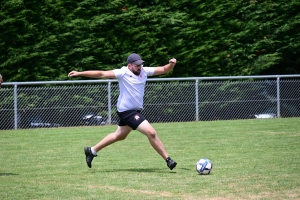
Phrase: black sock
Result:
[168,158]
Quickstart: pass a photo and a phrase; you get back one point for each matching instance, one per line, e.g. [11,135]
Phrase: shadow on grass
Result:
[8,174]
[187,169]
[139,170]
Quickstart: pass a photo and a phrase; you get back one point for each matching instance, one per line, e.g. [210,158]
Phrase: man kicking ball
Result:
[132,79]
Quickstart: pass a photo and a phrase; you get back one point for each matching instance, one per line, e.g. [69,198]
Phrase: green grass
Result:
[252,159]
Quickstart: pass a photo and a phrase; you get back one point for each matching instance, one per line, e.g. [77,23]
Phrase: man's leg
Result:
[146,128]
[120,134]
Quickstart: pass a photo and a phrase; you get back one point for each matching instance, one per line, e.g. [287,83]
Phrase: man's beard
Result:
[136,72]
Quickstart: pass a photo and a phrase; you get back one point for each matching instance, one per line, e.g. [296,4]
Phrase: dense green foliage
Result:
[44,40]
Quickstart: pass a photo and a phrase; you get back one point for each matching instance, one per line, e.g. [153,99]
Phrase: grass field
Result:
[252,159]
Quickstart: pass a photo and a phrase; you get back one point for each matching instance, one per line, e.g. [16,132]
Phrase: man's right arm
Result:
[93,74]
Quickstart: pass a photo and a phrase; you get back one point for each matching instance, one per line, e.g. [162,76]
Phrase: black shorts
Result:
[131,118]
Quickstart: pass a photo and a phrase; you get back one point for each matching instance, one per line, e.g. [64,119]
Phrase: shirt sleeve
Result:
[119,72]
[149,70]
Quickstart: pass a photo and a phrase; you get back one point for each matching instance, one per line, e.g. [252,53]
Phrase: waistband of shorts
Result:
[137,110]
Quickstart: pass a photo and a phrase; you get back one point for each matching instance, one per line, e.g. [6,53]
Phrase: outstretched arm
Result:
[93,74]
[166,68]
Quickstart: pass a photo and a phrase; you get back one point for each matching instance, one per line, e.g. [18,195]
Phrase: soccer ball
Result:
[204,166]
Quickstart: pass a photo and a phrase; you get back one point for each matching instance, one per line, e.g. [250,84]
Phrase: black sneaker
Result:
[89,156]
[171,163]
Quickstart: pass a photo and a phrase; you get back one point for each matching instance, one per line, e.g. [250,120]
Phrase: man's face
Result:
[136,69]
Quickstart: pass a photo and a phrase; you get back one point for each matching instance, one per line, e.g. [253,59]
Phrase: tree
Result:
[44,40]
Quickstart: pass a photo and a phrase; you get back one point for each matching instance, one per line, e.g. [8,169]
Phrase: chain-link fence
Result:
[93,102]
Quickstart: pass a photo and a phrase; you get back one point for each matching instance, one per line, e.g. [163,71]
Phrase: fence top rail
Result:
[153,79]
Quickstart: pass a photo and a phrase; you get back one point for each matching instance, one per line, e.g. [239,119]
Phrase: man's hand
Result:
[74,73]
[172,62]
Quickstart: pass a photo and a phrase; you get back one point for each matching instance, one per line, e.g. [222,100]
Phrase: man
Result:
[132,80]
[1,80]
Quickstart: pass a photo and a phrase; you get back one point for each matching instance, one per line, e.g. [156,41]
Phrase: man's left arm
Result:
[166,68]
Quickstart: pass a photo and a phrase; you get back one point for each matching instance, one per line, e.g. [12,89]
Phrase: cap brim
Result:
[138,62]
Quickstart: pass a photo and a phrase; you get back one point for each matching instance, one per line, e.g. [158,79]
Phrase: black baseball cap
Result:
[135,59]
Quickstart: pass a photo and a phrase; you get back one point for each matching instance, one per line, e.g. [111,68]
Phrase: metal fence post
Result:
[15,106]
[109,101]
[278,96]
[197,100]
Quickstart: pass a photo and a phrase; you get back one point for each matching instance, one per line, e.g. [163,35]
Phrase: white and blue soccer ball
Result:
[204,166]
